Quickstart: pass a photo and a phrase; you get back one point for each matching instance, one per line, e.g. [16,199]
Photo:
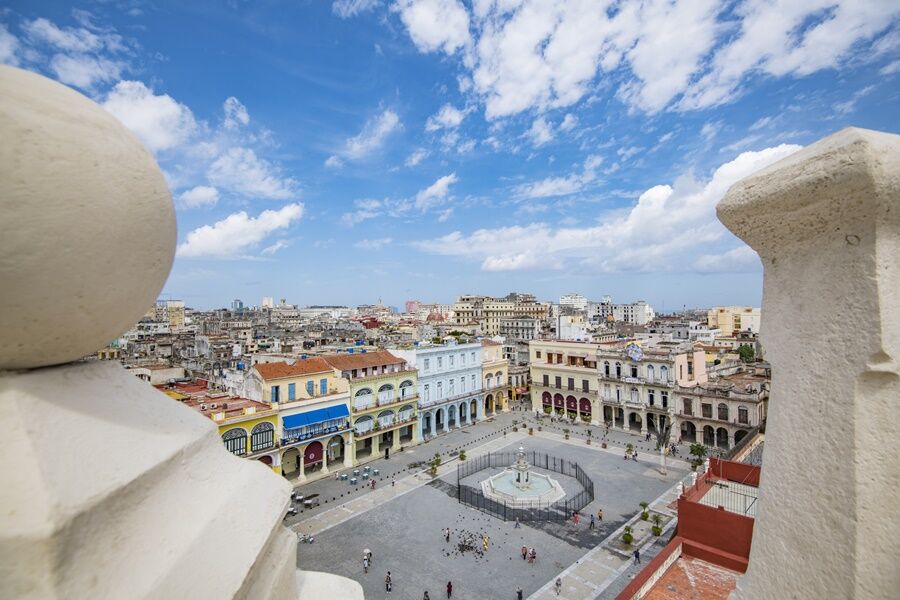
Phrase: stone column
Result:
[826,223]
[432,423]
[349,451]
[301,466]
[643,422]
[446,414]
[100,469]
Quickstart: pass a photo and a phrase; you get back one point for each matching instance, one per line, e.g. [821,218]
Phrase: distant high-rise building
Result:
[576,301]
[412,306]
[734,318]
[237,305]
[171,312]
[268,302]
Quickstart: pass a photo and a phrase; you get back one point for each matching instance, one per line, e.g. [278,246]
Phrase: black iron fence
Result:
[534,511]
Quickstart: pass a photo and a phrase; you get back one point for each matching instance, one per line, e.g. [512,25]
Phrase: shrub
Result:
[531,431]
[603,444]
[657,530]
[566,431]
[462,455]
[629,449]
[627,537]
[547,410]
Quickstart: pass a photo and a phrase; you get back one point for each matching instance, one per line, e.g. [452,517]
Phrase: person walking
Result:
[558,585]
[388,583]
[519,593]
[637,557]
[592,522]
[366,565]
[447,535]
[600,514]
[524,552]
[393,480]
[532,556]
[426,596]
[449,588]
[517,523]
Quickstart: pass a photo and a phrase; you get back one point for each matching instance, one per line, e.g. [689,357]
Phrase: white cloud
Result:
[350,8]
[159,121]
[239,170]
[742,258]
[625,153]
[665,137]
[418,155]
[890,68]
[520,55]
[562,186]
[444,215]
[376,244]
[710,130]
[448,117]
[540,133]
[237,233]
[279,245]
[9,46]
[201,195]
[363,211]
[848,106]
[236,114]
[370,139]
[661,232]
[435,193]
[760,123]
[435,25]
[84,71]
[71,39]
[568,123]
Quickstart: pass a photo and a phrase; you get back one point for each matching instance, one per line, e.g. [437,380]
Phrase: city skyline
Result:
[340,152]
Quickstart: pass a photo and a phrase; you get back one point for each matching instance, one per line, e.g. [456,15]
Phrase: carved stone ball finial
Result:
[87,234]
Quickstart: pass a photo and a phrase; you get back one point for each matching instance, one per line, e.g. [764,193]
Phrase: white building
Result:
[637,313]
[575,301]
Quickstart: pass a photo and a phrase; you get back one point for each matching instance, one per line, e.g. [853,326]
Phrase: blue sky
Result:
[341,152]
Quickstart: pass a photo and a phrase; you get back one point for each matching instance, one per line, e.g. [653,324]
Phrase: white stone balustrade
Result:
[826,223]
[108,488]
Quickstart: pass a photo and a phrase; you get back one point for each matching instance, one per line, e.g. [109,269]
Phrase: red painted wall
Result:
[734,471]
[714,527]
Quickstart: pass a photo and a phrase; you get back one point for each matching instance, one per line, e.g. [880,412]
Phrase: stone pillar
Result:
[349,451]
[301,466]
[643,422]
[446,418]
[99,468]
[479,409]
[826,224]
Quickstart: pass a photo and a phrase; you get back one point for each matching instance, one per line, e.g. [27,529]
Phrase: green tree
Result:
[746,353]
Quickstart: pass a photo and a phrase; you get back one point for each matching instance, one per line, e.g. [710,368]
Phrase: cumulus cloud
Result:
[159,120]
[435,193]
[236,114]
[9,47]
[540,133]
[241,171]
[418,155]
[659,233]
[84,70]
[448,117]
[350,8]
[562,186]
[658,54]
[201,195]
[435,25]
[370,139]
[568,123]
[376,244]
[742,258]
[237,233]
[363,210]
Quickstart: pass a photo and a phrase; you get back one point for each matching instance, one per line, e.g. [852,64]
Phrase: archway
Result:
[363,399]
[290,461]
[489,405]
[407,390]
[607,414]
[571,407]
[334,452]
[266,460]
[426,418]
[620,418]
[313,456]
[739,435]
[651,424]
[451,416]
[709,436]
[584,407]
[722,438]
[262,437]
[439,420]
[363,426]
[473,410]
[688,432]
[634,421]
[547,402]
[558,404]
[236,441]
[464,418]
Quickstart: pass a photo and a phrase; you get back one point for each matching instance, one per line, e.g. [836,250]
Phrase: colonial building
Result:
[313,406]
[382,400]
[721,412]
[638,379]
[487,312]
[564,379]
[450,385]
[734,318]
[637,313]
[495,374]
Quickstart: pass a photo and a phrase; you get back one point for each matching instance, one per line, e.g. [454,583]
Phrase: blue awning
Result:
[316,416]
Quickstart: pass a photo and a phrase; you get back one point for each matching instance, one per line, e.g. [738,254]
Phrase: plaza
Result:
[402,524]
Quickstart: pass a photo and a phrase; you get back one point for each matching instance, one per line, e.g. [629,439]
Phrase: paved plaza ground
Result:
[403,529]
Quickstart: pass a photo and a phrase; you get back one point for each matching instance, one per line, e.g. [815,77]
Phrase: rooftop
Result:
[348,362]
[693,579]
[303,366]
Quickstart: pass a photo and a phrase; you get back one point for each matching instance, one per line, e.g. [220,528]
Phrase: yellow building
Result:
[564,379]
[495,375]
[734,318]
[247,427]
[312,401]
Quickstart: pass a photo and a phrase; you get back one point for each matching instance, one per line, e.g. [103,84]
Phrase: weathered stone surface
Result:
[826,223]
[87,236]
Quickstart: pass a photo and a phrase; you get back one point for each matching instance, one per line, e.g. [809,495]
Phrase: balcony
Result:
[456,398]
[290,440]
[367,403]
[365,432]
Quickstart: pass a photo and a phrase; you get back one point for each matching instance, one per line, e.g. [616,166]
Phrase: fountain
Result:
[521,487]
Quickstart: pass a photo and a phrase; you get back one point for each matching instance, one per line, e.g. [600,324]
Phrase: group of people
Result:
[529,554]
[449,591]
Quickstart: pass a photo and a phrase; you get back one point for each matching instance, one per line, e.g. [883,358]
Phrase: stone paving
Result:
[401,524]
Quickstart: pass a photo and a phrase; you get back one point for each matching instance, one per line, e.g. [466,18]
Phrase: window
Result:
[546,380]
[426,364]
[262,437]
[462,359]
[634,371]
[664,396]
[606,393]
[452,391]
[723,411]
[680,371]
[473,358]
[236,441]
[310,387]
[558,381]
[440,362]
[690,367]
[618,394]
[585,386]
[707,411]
[651,397]
[440,389]
[462,385]
[323,386]
[650,373]
[606,368]
[686,402]
[618,370]
[571,383]
[275,391]
[474,385]
[743,415]
[664,374]
[292,391]
[634,395]
[427,392]
[450,359]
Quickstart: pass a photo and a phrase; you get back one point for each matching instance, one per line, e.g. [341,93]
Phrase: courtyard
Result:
[404,532]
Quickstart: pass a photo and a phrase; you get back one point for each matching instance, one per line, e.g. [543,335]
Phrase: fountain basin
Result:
[540,489]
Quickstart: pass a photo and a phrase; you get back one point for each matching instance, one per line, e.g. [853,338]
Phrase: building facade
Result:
[450,385]
[564,379]
[637,313]
[487,312]
[495,375]
[729,319]
[383,395]
[573,301]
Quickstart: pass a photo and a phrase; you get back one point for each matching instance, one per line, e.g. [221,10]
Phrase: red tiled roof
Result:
[278,370]
[348,362]
[487,342]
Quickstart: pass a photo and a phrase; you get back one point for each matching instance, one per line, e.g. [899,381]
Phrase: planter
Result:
[567,436]
[540,428]
[627,538]
[657,530]
[588,441]
[645,515]
[603,444]
[531,431]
